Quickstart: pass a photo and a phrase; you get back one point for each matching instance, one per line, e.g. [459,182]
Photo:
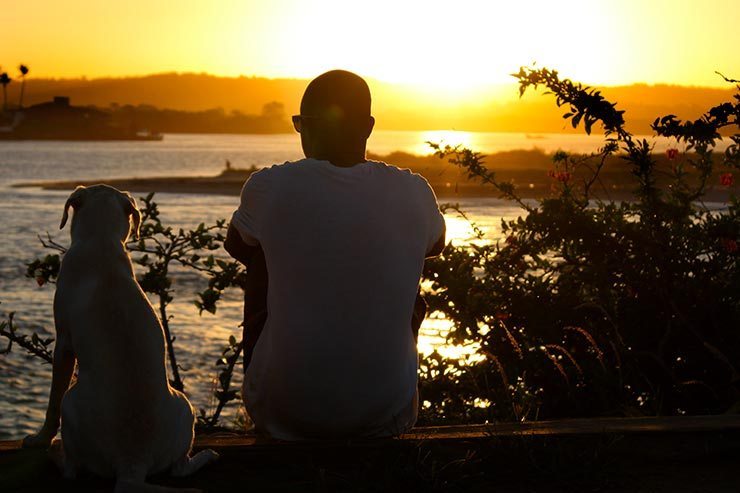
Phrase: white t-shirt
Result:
[345,250]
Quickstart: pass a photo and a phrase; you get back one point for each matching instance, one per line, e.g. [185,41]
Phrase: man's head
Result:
[335,119]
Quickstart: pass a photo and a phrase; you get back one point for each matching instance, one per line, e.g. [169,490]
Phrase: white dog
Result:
[121,418]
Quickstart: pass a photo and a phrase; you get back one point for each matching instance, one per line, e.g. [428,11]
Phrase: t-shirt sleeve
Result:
[434,218]
[247,219]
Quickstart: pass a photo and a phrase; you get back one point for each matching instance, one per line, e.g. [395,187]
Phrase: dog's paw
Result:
[212,455]
[188,465]
[40,440]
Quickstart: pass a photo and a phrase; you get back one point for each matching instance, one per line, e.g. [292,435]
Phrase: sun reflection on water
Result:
[443,138]
[434,330]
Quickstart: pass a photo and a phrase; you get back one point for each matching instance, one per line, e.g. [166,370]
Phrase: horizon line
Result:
[726,85]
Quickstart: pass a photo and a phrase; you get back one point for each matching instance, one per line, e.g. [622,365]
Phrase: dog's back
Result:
[118,341]
[121,418]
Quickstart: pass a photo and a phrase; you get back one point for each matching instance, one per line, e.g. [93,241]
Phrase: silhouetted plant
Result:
[32,344]
[590,307]
[223,394]
[23,69]
[5,80]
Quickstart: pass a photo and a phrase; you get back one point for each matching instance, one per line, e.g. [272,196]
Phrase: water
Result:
[26,213]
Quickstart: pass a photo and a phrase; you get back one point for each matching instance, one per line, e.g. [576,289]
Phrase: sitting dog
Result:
[121,418]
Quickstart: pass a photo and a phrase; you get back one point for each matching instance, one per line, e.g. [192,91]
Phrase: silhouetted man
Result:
[342,241]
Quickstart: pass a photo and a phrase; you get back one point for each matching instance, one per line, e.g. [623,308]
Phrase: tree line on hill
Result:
[270,120]
[396,107]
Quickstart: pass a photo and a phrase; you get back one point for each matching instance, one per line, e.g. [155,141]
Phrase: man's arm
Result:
[237,248]
[438,246]
[420,306]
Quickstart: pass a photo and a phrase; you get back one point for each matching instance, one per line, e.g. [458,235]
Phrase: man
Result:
[344,242]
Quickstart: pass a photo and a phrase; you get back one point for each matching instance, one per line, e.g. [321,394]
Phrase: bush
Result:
[588,307]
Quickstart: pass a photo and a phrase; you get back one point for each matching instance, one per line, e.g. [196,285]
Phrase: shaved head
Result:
[335,120]
[337,95]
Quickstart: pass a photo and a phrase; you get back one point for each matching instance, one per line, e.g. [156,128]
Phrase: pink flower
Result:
[729,245]
[727,180]
[671,154]
[562,176]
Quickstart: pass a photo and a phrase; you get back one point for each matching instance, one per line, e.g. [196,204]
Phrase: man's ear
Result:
[370,126]
[74,200]
[133,211]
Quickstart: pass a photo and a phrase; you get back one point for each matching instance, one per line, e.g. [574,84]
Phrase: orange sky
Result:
[455,46]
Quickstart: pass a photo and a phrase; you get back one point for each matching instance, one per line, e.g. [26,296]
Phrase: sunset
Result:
[434,45]
[397,245]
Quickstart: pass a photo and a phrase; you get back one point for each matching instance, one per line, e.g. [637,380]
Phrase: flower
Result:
[671,153]
[562,176]
[727,180]
[40,281]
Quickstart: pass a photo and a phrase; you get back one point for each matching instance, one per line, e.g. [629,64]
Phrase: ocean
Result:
[29,212]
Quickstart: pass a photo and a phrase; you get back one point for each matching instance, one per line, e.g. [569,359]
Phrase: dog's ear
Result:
[133,211]
[74,200]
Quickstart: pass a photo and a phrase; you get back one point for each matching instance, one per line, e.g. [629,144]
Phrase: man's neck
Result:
[343,160]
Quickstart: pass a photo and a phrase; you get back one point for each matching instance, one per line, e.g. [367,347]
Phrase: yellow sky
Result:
[453,44]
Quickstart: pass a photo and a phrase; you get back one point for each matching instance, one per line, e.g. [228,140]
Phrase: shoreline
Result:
[230,184]
[216,185]
[527,170]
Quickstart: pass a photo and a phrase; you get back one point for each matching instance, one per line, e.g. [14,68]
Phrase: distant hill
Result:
[396,107]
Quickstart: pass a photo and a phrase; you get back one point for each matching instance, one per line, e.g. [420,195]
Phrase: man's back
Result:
[344,249]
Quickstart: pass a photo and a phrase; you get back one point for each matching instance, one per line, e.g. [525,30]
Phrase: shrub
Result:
[589,307]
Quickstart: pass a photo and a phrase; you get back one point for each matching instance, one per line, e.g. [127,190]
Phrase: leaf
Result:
[576,120]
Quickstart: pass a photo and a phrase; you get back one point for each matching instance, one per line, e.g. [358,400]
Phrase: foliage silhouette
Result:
[589,307]
[23,69]
[5,80]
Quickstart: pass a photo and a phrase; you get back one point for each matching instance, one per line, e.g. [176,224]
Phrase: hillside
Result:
[396,107]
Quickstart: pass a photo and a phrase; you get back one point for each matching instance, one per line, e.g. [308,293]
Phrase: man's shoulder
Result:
[272,172]
[276,168]
[398,173]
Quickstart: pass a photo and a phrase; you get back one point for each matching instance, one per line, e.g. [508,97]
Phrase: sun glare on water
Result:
[443,137]
[435,328]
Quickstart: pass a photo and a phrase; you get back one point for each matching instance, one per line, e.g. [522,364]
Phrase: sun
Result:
[442,51]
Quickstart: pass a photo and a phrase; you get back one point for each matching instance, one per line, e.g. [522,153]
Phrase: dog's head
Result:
[108,204]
